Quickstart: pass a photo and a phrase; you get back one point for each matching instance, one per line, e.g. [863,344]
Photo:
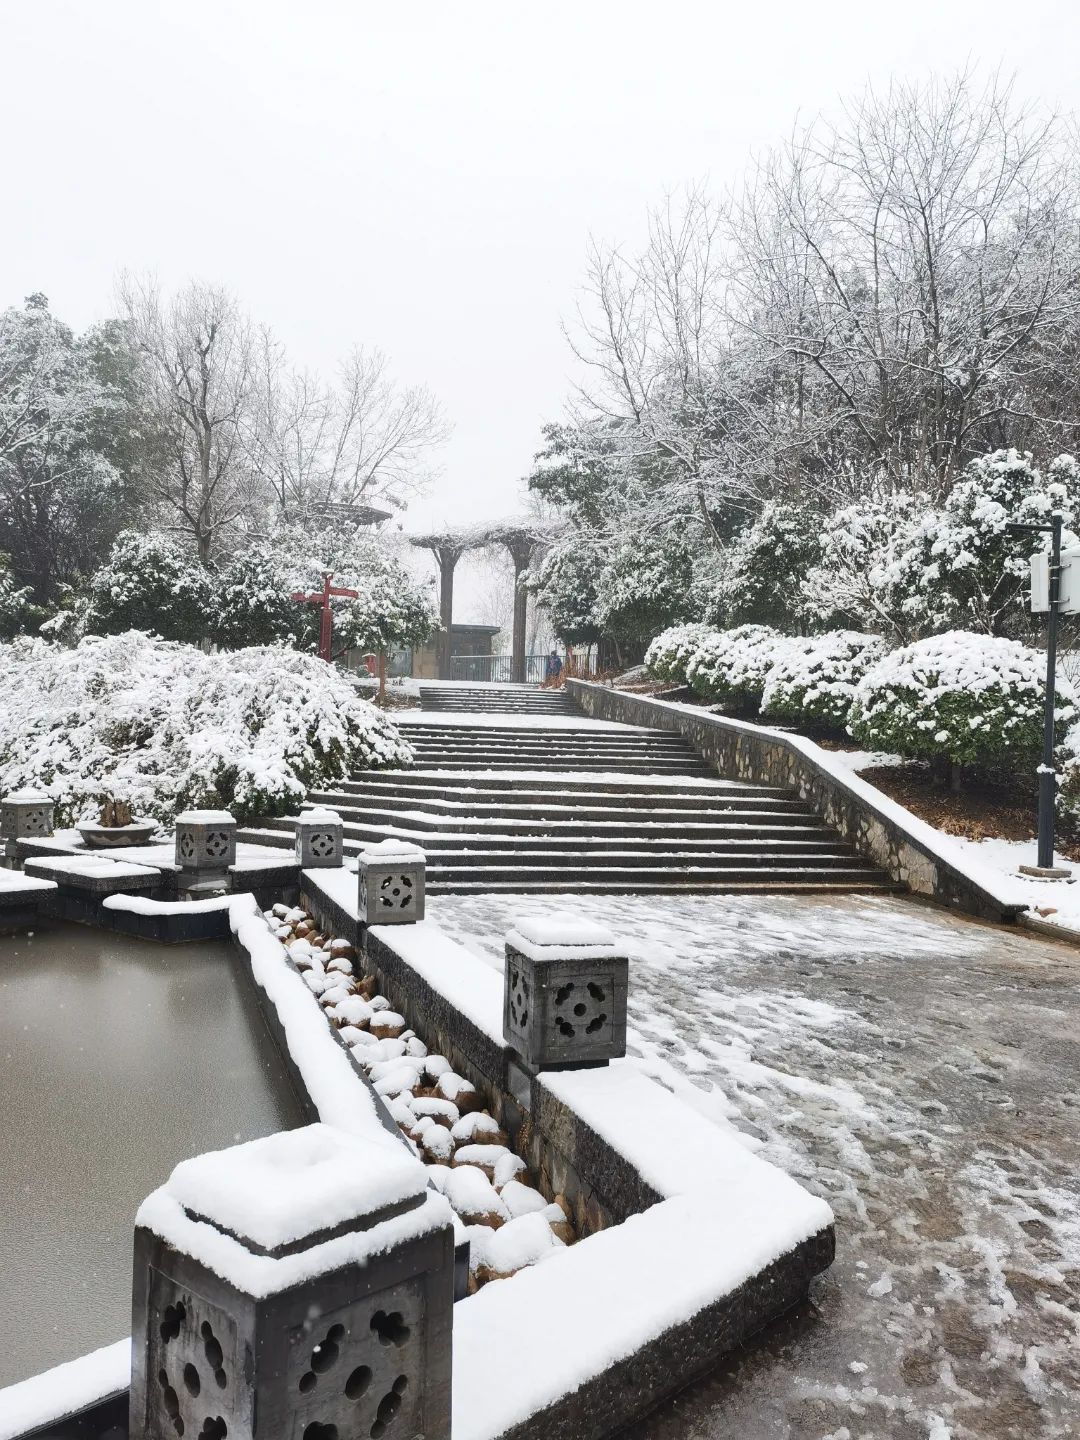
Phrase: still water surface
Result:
[118,1058]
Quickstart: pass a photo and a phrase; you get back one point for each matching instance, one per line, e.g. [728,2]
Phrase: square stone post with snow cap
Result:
[299,1287]
[320,837]
[205,848]
[391,883]
[24,815]
[564,993]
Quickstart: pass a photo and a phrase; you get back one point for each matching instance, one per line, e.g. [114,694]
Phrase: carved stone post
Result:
[564,993]
[391,883]
[298,1287]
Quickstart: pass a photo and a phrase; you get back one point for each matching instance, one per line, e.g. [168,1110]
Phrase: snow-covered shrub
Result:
[149,582]
[165,726]
[961,698]
[669,654]
[730,666]
[970,569]
[816,682]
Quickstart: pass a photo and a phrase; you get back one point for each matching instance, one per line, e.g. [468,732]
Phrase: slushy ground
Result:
[920,1071]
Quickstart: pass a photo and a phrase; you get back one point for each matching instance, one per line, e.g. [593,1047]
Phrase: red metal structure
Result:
[326,620]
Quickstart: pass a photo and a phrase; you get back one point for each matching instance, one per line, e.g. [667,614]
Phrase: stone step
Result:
[622,765]
[561,734]
[478,819]
[522,885]
[512,782]
[621,863]
[734,823]
[562,798]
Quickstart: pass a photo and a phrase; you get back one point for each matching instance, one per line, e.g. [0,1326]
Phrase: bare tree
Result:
[200,377]
[914,273]
[362,439]
[880,300]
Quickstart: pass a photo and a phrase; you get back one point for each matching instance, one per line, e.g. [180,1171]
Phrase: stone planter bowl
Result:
[108,837]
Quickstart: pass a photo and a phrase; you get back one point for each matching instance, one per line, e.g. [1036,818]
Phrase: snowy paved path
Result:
[923,1073]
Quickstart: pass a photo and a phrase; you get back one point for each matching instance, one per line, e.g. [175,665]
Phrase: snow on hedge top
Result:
[977,699]
[668,655]
[734,664]
[818,680]
[296,1183]
[964,661]
[166,727]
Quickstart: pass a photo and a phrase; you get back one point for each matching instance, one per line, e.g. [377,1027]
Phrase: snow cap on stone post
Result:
[319,839]
[305,1278]
[390,888]
[564,992]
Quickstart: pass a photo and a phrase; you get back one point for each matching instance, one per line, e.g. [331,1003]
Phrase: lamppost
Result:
[1044,868]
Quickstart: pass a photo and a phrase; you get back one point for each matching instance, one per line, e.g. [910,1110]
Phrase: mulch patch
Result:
[981,811]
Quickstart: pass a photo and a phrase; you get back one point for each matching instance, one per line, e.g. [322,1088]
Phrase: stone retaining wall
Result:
[901,844]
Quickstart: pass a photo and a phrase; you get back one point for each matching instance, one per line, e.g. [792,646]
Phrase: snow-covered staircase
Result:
[535,805]
[488,699]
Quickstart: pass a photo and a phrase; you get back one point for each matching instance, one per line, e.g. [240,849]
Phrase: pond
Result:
[118,1057]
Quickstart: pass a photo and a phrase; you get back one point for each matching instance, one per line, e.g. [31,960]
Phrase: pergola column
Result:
[448,557]
[521,552]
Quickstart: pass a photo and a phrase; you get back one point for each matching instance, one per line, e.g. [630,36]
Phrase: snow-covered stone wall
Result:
[912,852]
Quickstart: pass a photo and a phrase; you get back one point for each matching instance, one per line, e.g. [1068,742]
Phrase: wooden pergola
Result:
[521,538]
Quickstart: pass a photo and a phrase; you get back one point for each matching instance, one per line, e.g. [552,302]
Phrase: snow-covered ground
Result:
[922,1073]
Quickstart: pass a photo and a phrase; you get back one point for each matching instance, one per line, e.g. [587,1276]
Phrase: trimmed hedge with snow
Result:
[970,699]
[730,667]
[816,682]
[669,654]
[164,726]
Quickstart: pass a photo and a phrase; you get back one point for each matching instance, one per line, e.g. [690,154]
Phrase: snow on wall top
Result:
[284,1187]
[64,1390]
[205,817]
[96,866]
[27,797]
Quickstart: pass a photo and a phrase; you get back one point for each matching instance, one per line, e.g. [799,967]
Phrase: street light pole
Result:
[1047,772]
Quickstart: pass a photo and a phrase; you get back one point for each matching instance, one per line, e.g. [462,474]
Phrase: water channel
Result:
[118,1057]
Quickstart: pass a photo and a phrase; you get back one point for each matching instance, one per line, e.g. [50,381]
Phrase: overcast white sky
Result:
[425,177]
